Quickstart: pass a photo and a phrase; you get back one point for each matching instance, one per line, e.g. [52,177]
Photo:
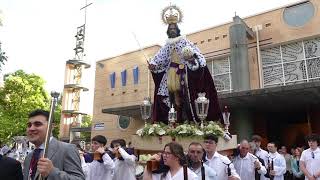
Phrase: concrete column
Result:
[239,55]
[241,120]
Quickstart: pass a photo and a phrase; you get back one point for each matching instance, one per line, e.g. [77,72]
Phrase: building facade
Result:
[266,68]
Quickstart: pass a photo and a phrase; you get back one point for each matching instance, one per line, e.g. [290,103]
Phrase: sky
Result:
[38,35]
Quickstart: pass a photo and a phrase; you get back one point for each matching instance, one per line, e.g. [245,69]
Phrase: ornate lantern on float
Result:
[226,117]
[226,120]
[145,108]
[172,116]
[202,107]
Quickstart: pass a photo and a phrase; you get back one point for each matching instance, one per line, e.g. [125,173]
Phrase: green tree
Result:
[57,117]
[3,57]
[86,122]
[20,94]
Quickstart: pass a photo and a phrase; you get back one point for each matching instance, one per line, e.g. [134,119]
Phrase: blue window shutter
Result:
[135,75]
[113,80]
[124,77]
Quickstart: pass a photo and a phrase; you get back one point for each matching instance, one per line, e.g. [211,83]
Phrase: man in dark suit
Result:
[63,160]
[10,168]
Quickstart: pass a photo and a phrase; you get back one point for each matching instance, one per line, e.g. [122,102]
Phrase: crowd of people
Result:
[200,161]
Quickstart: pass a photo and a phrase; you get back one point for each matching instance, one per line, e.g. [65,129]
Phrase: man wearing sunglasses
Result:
[221,164]
[195,157]
[63,160]
[310,158]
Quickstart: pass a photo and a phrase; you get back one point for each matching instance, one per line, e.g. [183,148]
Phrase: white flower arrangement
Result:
[183,130]
[152,130]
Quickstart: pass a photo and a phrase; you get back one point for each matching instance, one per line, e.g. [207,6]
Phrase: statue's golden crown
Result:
[171,15]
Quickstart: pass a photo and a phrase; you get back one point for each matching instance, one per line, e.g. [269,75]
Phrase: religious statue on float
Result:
[180,73]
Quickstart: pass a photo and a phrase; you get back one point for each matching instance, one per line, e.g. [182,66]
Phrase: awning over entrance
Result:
[273,98]
[130,111]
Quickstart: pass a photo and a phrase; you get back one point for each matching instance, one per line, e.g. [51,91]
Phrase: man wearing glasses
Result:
[195,157]
[221,164]
[310,158]
[63,161]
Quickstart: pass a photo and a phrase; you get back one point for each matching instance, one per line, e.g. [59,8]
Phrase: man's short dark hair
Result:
[256,138]
[100,139]
[38,112]
[274,143]
[312,137]
[195,144]
[122,142]
[211,137]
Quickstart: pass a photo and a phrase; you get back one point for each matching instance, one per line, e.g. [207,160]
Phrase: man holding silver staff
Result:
[246,163]
[62,161]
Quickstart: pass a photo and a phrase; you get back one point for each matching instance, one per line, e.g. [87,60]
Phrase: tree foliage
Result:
[3,56]
[86,122]
[20,94]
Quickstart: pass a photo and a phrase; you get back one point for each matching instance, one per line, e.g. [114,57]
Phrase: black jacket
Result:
[10,169]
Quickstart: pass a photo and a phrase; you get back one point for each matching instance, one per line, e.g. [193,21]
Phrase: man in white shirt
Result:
[221,164]
[246,163]
[276,162]
[259,152]
[195,155]
[125,161]
[310,158]
[287,157]
[102,166]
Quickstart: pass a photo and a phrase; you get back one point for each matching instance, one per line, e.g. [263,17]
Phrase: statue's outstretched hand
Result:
[151,66]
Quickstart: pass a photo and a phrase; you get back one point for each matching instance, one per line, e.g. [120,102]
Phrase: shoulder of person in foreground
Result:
[71,163]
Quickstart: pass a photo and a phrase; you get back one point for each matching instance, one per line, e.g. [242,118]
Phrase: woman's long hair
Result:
[177,151]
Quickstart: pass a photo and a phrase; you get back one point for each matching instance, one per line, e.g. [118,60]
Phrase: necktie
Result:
[34,161]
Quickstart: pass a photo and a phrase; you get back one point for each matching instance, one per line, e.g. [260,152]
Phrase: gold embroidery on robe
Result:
[173,77]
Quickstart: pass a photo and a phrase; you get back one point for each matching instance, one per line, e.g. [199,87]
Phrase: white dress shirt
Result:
[245,166]
[219,163]
[263,155]
[210,174]
[177,176]
[279,165]
[312,162]
[125,169]
[96,170]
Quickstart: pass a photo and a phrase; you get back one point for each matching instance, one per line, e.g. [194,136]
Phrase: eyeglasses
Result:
[36,124]
[165,153]
[312,155]
[208,142]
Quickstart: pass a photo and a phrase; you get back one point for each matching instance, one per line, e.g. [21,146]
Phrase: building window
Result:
[112,80]
[221,73]
[299,14]
[123,122]
[292,63]
[124,78]
[135,73]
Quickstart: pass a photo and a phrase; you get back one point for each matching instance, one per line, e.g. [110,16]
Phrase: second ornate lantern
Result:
[202,107]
